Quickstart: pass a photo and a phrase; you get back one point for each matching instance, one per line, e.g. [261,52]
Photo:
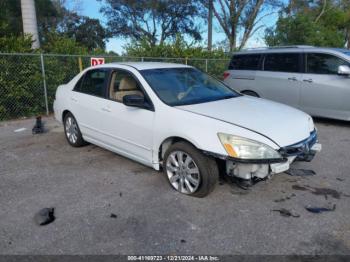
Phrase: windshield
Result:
[185,86]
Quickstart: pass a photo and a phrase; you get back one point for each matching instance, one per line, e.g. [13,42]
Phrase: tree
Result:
[242,16]
[86,31]
[322,23]
[154,21]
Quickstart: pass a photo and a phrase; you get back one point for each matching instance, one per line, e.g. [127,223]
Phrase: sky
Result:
[91,9]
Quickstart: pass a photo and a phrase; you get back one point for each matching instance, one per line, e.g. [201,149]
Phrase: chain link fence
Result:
[28,82]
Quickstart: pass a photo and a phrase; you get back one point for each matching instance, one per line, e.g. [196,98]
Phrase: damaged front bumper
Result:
[248,169]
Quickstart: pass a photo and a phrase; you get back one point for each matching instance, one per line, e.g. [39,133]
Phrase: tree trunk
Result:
[30,25]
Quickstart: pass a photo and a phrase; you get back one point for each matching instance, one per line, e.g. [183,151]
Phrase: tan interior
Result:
[127,86]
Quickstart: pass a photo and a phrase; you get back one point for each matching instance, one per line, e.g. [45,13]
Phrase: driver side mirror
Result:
[344,70]
[135,101]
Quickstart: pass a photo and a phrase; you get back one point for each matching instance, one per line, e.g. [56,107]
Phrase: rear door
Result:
[280,79]
[324,92]
[241,74]
[88,100]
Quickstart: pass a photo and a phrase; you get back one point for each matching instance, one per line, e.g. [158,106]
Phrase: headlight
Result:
[239,147]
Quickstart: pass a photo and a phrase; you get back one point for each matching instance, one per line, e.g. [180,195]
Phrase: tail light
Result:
[226,74]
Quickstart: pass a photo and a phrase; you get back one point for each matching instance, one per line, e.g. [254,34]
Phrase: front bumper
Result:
[247,169]
[304,150]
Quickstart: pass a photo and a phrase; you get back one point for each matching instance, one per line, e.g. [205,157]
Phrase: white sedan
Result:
[175,117]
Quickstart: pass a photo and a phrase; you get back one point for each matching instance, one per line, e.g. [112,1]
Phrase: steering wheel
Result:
[183,95]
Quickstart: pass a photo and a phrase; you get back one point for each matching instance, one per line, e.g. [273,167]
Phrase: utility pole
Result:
[30,25]
[210,24]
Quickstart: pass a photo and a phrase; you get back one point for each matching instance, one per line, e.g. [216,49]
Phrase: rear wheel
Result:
[72,131]
[250,93]
[189,171]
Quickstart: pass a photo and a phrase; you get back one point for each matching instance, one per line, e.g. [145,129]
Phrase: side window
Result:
[287,62]
[244,62]
[78,84]
[122,84]
[93,82]
[318,63]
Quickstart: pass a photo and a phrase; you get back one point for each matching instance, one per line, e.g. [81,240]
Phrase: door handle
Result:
[292,79]
[106,109]
[73,99]
[308,80]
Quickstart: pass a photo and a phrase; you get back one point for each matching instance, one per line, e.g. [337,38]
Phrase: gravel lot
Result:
[86,185]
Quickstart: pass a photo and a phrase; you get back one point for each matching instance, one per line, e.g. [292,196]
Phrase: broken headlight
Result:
[243,148]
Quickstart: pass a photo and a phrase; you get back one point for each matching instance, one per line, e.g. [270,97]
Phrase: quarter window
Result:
[245,62]
[93,82]
[323,64]
[287,62]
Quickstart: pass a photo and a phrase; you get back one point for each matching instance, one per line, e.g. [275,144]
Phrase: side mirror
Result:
[134,101]
[344,70]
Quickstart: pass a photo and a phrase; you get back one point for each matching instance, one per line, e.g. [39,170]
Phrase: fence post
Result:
[44,82]
[141,59]
[206,65]
[186,60]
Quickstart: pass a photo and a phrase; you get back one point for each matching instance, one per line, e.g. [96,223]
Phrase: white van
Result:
[315,80]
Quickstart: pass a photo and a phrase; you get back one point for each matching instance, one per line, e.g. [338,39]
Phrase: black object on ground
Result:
[285,212]
[318,210]
[38,127]
[45,216]
[300,172]
[113,215]
[183,241]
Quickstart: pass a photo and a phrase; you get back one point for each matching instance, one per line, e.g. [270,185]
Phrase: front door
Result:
[324,92]
[128,130]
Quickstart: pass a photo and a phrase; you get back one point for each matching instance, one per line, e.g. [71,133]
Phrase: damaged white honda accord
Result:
[176,118]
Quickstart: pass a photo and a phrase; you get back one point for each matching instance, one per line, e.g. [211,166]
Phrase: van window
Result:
[287,62]
[244,62]
[323,64]
[93,82]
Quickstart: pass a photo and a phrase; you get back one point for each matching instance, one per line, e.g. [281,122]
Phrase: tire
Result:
[72,131]
[250,93]
[197,168]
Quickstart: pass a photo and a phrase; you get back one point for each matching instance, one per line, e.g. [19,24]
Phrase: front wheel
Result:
[189,171]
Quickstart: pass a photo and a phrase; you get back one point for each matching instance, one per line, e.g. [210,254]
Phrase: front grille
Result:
[300,149]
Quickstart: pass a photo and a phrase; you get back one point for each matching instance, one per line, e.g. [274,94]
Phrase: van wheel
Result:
[189,171]
[250,93]
[72,131]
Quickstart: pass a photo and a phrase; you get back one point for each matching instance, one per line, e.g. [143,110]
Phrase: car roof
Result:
[145,65]
[292,49]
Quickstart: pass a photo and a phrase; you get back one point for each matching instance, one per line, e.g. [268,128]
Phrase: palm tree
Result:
[30,25]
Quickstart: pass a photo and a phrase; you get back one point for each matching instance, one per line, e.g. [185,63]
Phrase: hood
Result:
[282,124]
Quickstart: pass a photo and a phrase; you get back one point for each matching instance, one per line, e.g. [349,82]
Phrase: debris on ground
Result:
[183,241]
[45,216]
[318,210]
[340,179]
[38,127]
[320,191]
[285,198]
[120,194]
[20,130]
[300,172]
[113,215]
[285,212]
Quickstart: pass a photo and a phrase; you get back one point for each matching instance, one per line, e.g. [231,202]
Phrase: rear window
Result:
[245,62]
[287,62]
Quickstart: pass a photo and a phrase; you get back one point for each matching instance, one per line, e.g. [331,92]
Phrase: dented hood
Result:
[282,124]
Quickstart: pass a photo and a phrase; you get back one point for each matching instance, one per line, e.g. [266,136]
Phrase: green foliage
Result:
[153,21]
[181,52]
[57,44]
[15,44]
[311,24]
